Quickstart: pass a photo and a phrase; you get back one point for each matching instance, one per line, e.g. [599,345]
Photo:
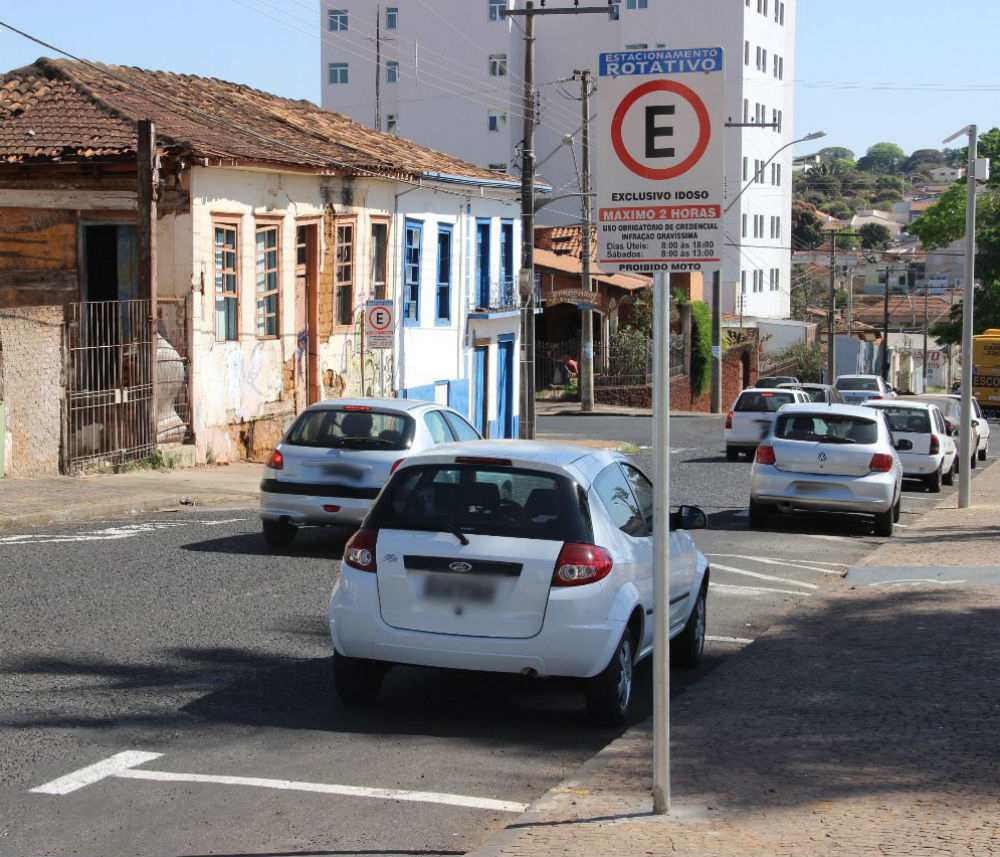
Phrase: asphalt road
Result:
[184,635]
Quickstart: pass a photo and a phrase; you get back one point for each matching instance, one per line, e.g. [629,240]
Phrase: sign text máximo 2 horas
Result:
[660,160]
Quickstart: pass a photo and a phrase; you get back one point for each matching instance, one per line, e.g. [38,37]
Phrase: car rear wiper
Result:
[835,439]
[429,528]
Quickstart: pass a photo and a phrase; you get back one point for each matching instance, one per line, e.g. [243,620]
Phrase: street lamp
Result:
[815,135]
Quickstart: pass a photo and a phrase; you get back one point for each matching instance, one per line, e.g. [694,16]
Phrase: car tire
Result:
[686,649]
[984,451]
[759,514]
[898,508]
[883,523]
[732,453]
[949,477]
[609,693]
[933,482]
[357,680]
[972,463]
[280,533]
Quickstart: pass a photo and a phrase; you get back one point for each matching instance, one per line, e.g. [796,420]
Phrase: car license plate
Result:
[345,471]
[447,587]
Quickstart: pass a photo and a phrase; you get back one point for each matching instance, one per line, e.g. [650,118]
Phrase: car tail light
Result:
[359,552]
[276,461]
[357,407]
[950,426]
[579,564]
[935,444]
[765,455]
[331,509]
[471,459]
[880,463]
[396,464]
[873,398]
[729,420]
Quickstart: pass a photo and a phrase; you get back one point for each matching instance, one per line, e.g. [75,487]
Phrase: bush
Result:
[701,347]
[810,360]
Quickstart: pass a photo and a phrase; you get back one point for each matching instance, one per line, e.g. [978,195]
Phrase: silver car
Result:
[836,458]
[860,388]
[337,455]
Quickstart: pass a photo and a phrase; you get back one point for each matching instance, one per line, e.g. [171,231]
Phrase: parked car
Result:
[857,389]
[951,407]
[832,458]
[769,381]
[514,557]
[750,418]
[982,425]
[933,458]
[337,455]
[825,393]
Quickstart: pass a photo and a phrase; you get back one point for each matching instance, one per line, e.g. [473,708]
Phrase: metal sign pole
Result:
[661,543]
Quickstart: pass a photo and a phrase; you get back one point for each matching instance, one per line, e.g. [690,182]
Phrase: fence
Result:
[622,364]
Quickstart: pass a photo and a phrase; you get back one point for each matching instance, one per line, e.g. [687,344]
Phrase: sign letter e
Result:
[654,131]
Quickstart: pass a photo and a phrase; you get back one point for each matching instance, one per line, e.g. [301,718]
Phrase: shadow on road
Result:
[316,542]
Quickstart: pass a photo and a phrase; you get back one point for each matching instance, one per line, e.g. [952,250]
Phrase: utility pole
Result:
[587,228]
[885,326]
[527,283]
[926,322]
[831,342]
[378,68]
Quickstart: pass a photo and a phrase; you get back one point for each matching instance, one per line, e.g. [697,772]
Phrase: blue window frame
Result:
[483,264]
[507,262]
[615,10]
[495,6]
[411,272]
[337,20]
[635,4]
[338,72]
[443,312]
[391,17]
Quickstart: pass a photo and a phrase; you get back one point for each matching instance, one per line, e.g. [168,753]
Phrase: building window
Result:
[614,10]
[498,168]
[635,4]
[391,17]
[758,57]
[495,7]
[266,267]
[392,72]
[343,274]
[744,222]
[746,162]
[498,65]
[443,312]
[637,46]
[774,279]
[392,123]
[337,20]
[338,72]
[743,274]
[746,52]
[496,120]
[507,263]
[782,20]
[411,271]
[226,282]
[746,109]
[763,60]
[380,249]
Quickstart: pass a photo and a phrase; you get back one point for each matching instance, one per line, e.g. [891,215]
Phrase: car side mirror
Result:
[975,423]
[688,518]
[903,444]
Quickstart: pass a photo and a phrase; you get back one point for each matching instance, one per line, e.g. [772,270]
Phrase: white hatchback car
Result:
[514,557]
[951,407]
[933,456]
[750,418]
[337,455]
[832,458]
[858,389]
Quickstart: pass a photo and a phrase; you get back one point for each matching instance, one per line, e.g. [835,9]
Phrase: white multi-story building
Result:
[449,75]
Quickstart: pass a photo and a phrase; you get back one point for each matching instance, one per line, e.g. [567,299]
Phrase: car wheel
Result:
[949,477]
[972,464]
[686,648]
[279,534]
[983,451]
[357,680]
[898,508]
[609,693]
[933,482]
[732,453]
[883,523]
[758,514]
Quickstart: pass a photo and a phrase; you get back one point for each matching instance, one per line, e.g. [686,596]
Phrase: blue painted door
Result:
[507,263]
[505,388]
[479,375]
[483,264]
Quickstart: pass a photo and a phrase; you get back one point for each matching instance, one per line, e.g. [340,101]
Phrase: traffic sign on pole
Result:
[380,324]
[660,160]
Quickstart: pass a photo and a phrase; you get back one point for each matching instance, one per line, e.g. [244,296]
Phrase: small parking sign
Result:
[380,324]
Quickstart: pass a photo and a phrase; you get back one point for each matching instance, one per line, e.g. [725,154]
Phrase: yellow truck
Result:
[986,370]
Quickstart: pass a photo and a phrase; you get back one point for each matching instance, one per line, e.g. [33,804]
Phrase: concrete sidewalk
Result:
[865,722]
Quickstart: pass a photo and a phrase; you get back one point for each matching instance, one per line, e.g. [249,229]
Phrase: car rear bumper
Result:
[302,509]
[916,466]
[564,646]
[873,493]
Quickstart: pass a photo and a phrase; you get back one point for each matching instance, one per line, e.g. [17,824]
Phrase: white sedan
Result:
[515,557]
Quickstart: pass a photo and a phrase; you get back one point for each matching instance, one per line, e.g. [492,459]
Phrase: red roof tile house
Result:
[254,230]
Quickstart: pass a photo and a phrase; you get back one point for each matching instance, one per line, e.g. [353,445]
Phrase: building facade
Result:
[449,75]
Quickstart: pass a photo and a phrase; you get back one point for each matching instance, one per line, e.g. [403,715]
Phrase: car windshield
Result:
[857,384]
[817,394]
[752,400]
[825,428]
[775,380]
[908,419]
[352,428]
[486,499]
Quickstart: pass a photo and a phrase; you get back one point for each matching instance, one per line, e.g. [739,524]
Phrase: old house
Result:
[186,260]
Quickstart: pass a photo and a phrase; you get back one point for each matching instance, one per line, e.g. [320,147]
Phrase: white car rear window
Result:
[753,400]
[359,428]
[825,428]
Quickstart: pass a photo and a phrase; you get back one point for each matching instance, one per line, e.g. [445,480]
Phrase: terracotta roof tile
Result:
[61,108]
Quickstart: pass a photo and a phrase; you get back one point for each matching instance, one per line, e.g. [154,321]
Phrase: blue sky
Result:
[867,70]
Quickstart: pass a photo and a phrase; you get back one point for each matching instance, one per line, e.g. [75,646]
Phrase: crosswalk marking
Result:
[725,588]
[760,576]
[788,563]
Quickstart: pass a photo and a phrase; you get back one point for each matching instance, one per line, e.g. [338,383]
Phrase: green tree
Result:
[882,158]
[839,208]
[884,199]
[875,236]
[806,232]
[809,357]
[836,153]
[701,347]
[923,159]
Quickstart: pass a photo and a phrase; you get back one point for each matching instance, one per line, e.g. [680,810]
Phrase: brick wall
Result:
[31,388]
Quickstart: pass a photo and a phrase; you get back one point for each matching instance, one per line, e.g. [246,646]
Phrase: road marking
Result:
[740,590]
[791,564]
[760,576]
[742,640]
[916,581]
[126,531]
[123,766]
